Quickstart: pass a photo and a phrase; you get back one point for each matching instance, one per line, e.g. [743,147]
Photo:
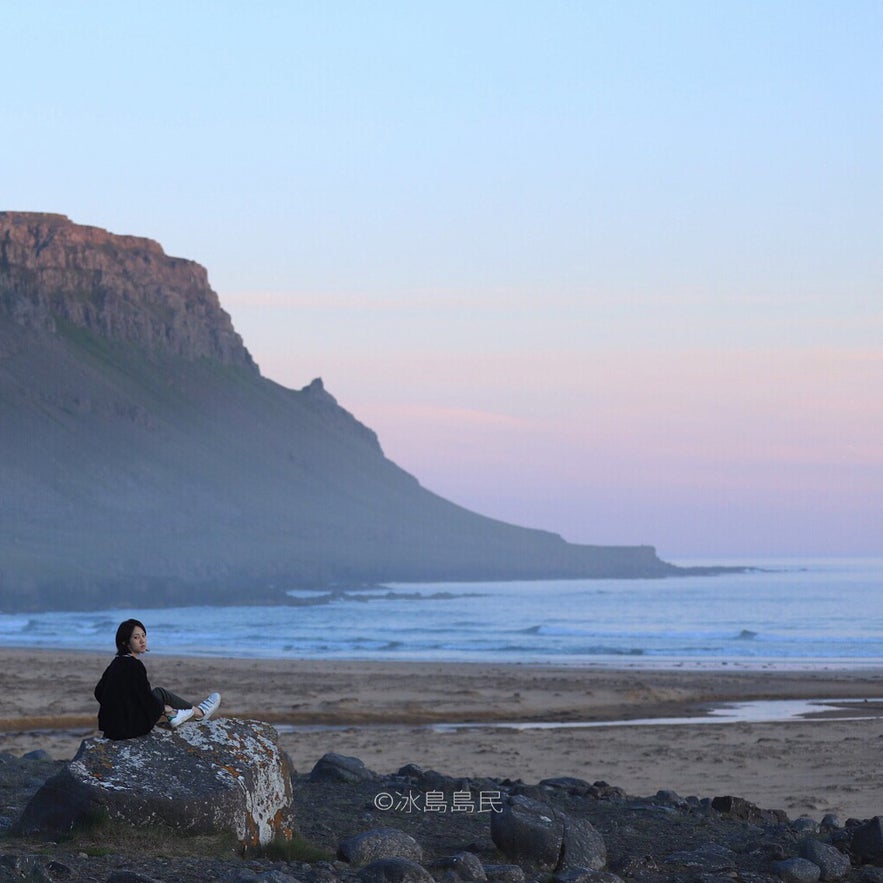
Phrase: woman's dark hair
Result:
[124,634]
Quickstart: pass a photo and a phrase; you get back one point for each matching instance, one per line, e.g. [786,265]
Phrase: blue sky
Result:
[610,269]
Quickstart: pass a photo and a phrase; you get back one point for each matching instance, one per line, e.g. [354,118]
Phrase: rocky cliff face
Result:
[121,287]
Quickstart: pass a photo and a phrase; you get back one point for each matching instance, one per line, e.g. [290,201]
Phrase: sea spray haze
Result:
[789,615]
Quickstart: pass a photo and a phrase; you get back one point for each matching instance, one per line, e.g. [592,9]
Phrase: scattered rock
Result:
[379,844]
[333,767]
[463,866]
[38,754]
[832,863]
[739,808]
[646,840]
[708,857]
[797,870]
[567,783]
[867,842]
[504,874]
[534,832]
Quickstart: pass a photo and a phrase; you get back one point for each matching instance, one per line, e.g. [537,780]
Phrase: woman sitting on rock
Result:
[128,705]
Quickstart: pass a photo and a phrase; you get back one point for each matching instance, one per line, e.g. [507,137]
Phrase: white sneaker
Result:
[182,715]
[209,706]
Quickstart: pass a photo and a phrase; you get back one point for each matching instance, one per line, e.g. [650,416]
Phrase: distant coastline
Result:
[772,618]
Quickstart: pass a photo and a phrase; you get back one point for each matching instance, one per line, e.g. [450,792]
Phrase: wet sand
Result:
[384,714]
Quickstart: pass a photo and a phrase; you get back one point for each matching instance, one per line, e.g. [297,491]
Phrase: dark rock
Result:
[324,872]
[806,825]
[831,821]
[432,780]
[535,832]
[39,754]
[832,863]
[528,830]
[462,866]
[395,870]
[123,287]
[708,857]
[567,783]
[582,847]
[739,808]
[218,776]
[603,791]
[333,767]
[671,798]
[867,842]
[797,870]
[378,844]
[871,874]
[531,792]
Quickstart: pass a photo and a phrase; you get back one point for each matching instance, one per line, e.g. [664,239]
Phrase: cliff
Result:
[120,287]
[144,459]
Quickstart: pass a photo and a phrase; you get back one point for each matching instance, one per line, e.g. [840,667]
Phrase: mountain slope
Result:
[144,459]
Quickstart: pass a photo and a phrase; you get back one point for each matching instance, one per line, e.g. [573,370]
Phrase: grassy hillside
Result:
[128,476]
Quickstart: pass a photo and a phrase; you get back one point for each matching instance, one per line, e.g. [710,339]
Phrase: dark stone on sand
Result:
[739,808]
[381,843]
[867,842]
[708,857]
[333,767]
[567,783]
[832,863]
[464,866]
[38,754]
[537,833]
[797,870]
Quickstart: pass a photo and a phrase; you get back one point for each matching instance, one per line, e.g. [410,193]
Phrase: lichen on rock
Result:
[223,775]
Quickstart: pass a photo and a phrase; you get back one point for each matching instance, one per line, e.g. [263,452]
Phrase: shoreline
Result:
[384,713]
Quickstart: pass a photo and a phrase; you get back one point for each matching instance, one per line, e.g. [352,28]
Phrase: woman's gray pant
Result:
[171,699]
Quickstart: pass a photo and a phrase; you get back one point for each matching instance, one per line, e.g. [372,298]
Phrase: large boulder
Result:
[370,846]
[218,776]
[867,842]
[332,767]
[832,863]
[532,831]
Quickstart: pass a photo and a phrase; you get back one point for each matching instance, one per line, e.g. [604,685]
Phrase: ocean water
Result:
[787,615]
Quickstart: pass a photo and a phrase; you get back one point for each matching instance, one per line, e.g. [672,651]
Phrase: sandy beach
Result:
[389,714]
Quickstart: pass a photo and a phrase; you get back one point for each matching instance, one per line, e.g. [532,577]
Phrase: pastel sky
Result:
[612,269]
